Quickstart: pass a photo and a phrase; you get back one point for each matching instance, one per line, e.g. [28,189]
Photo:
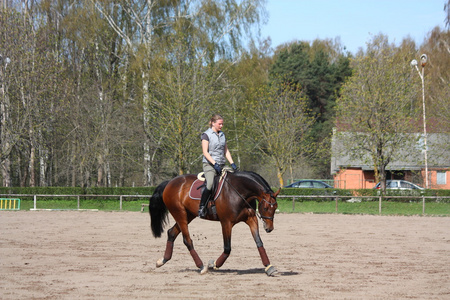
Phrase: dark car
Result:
[399,185]
[310,184]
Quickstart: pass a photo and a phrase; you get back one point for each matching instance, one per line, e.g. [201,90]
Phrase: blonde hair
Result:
[214,119]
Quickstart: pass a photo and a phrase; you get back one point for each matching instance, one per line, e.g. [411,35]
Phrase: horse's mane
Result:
[256,177]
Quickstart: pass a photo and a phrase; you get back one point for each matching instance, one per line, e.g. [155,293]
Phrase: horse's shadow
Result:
[243,272]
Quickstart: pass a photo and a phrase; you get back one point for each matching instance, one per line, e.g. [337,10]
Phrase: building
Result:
[351,172]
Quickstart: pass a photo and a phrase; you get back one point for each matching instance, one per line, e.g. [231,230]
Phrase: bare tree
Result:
[282,122]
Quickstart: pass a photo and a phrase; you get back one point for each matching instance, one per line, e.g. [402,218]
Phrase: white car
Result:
[399,185]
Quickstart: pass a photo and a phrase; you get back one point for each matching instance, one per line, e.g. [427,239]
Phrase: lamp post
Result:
[423,62]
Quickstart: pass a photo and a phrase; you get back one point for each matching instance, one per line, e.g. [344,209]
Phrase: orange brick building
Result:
[356,173]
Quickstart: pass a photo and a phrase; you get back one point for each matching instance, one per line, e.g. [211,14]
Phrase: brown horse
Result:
[235,203]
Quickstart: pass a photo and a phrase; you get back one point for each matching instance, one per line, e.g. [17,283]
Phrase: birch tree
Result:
[29,89]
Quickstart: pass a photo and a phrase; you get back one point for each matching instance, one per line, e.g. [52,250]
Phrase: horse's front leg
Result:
[226,234]
[253,224]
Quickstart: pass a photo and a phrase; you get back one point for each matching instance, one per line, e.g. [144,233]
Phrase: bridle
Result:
[271,205]
[248,204]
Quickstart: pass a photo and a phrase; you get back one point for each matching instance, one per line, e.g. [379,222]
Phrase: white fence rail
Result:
[367,198]
[35,198]
[294,198]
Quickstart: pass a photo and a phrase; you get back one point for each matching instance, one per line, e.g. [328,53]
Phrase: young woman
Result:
[215,150]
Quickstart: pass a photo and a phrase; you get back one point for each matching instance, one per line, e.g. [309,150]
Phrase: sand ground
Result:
[112,255]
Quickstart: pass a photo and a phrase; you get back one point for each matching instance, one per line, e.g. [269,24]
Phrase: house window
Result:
[441,177]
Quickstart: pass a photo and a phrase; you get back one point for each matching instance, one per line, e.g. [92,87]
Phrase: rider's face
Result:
[217,126]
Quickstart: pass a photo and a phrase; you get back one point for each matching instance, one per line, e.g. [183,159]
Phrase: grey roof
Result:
[408,157]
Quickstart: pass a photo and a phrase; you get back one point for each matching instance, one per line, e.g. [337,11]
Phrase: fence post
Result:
[423,204]
[120,202]
[379,206]
[34,198]
[78,202]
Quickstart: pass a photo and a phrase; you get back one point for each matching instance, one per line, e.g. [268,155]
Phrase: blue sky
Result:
[354,21]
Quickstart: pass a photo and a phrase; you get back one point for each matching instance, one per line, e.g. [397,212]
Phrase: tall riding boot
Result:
[202,209]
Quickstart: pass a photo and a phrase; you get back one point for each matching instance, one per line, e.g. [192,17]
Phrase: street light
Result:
[423,62]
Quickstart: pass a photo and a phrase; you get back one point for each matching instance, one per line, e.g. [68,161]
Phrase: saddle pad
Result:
[195,191]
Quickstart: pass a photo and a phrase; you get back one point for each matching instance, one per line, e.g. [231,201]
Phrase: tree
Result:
[281,124]
[447,10]
[375,106]
[247,75]
[31,87]
[437,84]
[319,69]
[437,71]
[213,31]
[184,92]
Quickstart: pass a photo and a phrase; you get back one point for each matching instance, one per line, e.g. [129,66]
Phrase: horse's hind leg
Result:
[172,234]
[181,227]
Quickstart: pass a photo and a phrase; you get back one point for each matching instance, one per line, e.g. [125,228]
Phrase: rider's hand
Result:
[217,168]
[233,165]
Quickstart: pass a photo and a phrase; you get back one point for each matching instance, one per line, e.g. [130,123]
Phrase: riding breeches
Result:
[209,175]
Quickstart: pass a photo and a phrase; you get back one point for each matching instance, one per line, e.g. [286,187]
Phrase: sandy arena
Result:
[112,255]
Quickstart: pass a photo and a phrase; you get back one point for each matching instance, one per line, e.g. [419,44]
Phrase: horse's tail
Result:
[158,210]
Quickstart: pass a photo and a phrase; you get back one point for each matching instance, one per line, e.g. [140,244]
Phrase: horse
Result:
[235,203]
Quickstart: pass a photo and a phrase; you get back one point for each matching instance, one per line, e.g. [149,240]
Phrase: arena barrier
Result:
[9,204]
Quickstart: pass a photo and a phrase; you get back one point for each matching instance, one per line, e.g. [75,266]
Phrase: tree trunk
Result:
[280,176]
[31,166]
[147,130]
[4,137]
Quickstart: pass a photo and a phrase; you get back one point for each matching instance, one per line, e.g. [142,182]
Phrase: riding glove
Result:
[217,168]
[233,165]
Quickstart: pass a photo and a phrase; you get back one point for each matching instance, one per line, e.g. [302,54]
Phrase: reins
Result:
[248,204]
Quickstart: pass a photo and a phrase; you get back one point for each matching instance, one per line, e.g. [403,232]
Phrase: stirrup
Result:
[202,212]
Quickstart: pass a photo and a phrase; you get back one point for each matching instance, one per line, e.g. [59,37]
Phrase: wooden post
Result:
[423,204]
[379,206]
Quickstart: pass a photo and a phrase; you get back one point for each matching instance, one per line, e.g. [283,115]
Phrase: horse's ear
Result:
[277,192]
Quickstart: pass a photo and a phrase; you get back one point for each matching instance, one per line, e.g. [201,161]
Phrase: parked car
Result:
[310,184]
[399,185]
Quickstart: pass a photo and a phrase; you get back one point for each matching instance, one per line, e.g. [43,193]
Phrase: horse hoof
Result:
[271,271]
[203,270]
[160,262]
[212,265]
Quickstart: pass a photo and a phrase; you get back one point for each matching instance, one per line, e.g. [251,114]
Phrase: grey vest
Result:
[216,148]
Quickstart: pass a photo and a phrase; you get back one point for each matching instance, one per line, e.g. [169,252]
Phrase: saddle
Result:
[199,185]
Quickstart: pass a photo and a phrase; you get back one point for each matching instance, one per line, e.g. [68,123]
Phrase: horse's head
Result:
[267,207]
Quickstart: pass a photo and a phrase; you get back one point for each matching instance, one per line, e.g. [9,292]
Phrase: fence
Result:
[121,198]
[368,198]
